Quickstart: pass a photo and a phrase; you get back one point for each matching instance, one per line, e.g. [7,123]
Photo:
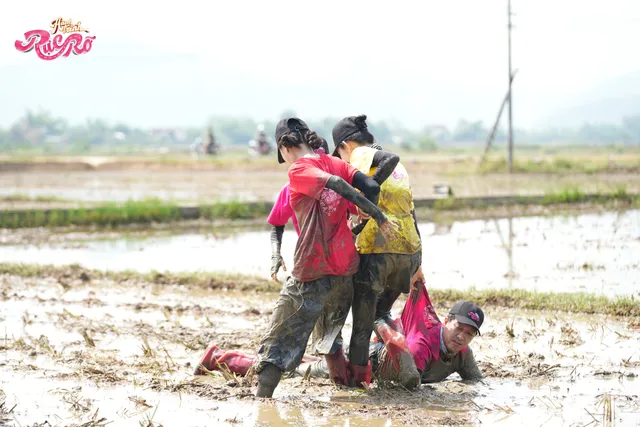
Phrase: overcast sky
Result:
[413,61]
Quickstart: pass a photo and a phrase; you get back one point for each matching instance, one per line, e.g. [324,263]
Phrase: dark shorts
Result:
[388,272]
[320,306]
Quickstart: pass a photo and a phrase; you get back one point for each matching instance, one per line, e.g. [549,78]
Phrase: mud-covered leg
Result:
[383,307]
[363,311]
[327,333]
[297,310]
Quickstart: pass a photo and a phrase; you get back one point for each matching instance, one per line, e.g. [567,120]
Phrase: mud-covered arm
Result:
[370,189]
[367,186]
[469,369]
[386,163]
[276,244]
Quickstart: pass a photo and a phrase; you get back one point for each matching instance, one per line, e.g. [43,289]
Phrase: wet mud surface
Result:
[91,351]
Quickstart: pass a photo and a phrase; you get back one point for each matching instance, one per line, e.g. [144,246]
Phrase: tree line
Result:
[44,131]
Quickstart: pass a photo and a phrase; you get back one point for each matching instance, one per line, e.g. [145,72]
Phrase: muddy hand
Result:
[276,263]
[388,229]
[363,215]
[417,282]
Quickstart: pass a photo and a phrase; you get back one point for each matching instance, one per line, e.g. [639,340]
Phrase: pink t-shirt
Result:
[421,327]
[325,246]
[282,211]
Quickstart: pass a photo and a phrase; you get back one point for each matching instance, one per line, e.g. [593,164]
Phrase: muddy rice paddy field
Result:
[82,347]
[104,326]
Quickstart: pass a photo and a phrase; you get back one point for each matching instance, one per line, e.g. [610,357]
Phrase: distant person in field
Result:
[210,145]
[263,140]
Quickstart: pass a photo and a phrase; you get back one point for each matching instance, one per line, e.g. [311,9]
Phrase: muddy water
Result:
[591,253]
[145,340]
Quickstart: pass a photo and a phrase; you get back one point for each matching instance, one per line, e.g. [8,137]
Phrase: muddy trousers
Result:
[320,306]
[380,280]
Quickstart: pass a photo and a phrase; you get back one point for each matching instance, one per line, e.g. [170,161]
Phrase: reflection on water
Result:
[592,253]
[246,253]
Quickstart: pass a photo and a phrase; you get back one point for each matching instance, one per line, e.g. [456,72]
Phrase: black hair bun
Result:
[361,122]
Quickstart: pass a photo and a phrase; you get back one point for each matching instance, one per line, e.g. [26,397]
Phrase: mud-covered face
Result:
[457,335]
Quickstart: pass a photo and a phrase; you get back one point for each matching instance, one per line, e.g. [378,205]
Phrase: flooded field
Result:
[87,351]
[595,253]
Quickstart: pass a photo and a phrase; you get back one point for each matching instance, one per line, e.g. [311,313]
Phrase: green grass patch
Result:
[566,195]
[27,198]
[108,214]
[233,210]
[558,165]
[575,195]
[570,195]
[131,212]
[577,302]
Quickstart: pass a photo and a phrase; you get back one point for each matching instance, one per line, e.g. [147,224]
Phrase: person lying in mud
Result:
[320,288]
[438,349]
[386,267]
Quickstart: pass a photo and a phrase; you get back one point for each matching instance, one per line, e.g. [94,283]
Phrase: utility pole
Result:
[510,93]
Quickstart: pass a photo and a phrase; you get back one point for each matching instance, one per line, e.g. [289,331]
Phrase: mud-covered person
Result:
[280,214]
[386,267]
[324,258]
[439,349]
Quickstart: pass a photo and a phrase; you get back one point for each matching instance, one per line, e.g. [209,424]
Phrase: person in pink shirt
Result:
[439,348]
[282,212]
[279,217]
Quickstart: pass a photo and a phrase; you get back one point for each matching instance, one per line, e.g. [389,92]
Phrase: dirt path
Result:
[78,350]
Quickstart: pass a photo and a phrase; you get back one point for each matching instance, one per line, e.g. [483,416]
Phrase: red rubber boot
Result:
[360,375]
[213,358]
[398,351]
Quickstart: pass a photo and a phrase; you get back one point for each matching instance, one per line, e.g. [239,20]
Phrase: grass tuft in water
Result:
[566,195]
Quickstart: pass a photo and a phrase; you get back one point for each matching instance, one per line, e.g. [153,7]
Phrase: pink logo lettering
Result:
[474,316]
[398,175]
[50,48]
